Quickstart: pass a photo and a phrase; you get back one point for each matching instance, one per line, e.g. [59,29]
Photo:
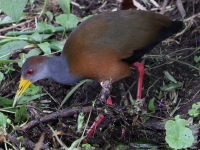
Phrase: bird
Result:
[101,48]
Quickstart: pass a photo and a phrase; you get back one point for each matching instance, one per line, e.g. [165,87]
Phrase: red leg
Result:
[140,71]
[95,125]
[99,119]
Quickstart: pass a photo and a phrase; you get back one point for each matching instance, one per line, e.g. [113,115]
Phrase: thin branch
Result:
[172,59]
[54,116]
[164,7]
[15,26]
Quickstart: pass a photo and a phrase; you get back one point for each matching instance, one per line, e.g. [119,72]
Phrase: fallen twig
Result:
[180,7]
[189,22]
[138,5]
[55,115]
[15,26]
[164,6]
[171,59]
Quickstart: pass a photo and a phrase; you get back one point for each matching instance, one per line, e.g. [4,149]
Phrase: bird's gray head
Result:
[35,68]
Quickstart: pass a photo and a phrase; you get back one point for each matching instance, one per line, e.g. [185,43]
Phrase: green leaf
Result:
[80,122]
[36,37]
[86,17]
[43,27]
[21,114]
[68,21]
[45,47]
[169,77]
[4,41]
[86,146]
[33,52]
[195,111]
[3,119]
[13,8]
[75,143]
[197,59]
[55,45]
[39,37]
[177,135]
[9,47]
[151,105]
[171,86]
[6,20]
[4,102]
[49,15]
[32,93]
[25,99]
[64,5]
[23,56]
[32,90]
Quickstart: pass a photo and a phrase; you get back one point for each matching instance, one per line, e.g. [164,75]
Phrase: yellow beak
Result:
[23,85]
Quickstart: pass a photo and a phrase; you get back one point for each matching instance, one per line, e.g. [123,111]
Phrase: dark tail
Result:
[175,27]
[165,32]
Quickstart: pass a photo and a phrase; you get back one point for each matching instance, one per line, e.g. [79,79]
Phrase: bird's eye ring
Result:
[29,72]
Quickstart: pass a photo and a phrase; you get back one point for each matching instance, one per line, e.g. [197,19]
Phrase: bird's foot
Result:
[106,87]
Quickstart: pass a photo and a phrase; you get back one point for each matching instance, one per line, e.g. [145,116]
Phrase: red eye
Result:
[29,72]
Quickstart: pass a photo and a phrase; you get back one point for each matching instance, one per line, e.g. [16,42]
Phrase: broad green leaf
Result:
[41,27]
[197,59]
[171,86]
[67,20]
[32,90]
[33,52]
[3,119]
[23,56]
[13,8]
[45,47]
[36,37]
[39,37]
[9,47]
[4,41]
[195,111]
[49,15]
[4,102]
[151,105]
[169,77]
[6,20]
[64,5]
[21,114]
[177,135]
[32,93]
[55,45]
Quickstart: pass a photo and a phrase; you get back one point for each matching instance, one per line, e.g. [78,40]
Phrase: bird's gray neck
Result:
[58,69]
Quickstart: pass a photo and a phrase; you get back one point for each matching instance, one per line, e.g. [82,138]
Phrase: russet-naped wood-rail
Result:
[101,48]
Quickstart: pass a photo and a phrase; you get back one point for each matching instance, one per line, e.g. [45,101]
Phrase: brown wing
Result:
[94,49]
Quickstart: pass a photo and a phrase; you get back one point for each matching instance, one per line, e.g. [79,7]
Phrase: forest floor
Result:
[122,125]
